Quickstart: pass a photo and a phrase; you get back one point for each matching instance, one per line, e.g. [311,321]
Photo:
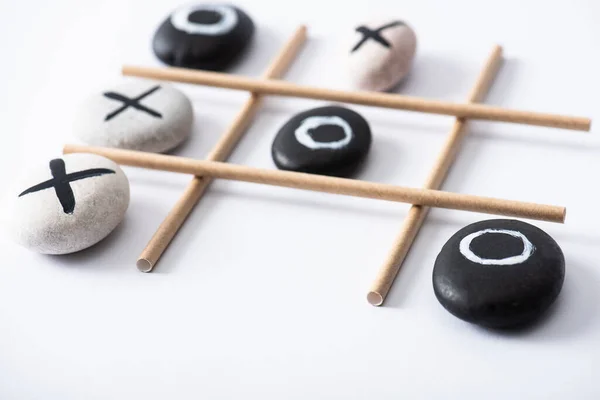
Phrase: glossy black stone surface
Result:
[499,273]
[208,36]
[327,140]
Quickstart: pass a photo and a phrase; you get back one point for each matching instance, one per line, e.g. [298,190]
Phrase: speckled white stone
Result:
[133,128]
[375,67]
[39,222]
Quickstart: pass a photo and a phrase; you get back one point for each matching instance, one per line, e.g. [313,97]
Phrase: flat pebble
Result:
[380,54]
[210,36]
[66,204]
[139,115]
[499,273]
[327,140]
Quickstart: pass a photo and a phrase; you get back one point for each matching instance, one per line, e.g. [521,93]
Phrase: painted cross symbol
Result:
[60,182]
[135,103]
[374,34]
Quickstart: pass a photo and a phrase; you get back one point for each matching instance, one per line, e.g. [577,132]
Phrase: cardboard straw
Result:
[416,214]
[319,183]
[194,191]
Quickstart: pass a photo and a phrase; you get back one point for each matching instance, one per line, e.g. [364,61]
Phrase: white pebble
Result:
[380,54]
[141,115]
[67,204]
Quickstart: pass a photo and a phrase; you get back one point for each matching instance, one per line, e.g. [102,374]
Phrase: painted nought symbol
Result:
[375,34]
[465,248]
[61,183]
[303,136]
[135,103]
[228,19]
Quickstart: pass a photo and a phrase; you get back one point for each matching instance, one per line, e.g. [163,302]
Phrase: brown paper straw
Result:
[273,87]
[416,214]
[319,183]
[194,191]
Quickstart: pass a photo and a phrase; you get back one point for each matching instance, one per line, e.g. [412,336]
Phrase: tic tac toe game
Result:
[298,200]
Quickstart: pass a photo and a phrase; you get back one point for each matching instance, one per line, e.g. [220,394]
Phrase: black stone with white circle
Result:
[329,140]
[208,36]
[499,273]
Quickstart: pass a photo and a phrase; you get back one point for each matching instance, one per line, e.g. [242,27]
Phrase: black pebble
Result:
[291,154]
[499,296]
[200,49]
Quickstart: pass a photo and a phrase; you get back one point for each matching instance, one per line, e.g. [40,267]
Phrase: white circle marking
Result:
[229,19]
[313,122]
[465,248]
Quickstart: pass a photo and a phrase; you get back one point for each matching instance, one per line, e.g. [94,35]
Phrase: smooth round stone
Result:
[140,115]
[209,36]
[380,54]
[67,204]
[499,273]
[328,140]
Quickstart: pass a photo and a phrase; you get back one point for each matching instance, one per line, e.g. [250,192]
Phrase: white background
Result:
[263,293]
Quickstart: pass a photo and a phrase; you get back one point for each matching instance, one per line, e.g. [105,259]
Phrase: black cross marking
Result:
[135,103]
[60,182]
[374,34]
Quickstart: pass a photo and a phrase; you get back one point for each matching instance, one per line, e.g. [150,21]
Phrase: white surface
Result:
[262,295]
